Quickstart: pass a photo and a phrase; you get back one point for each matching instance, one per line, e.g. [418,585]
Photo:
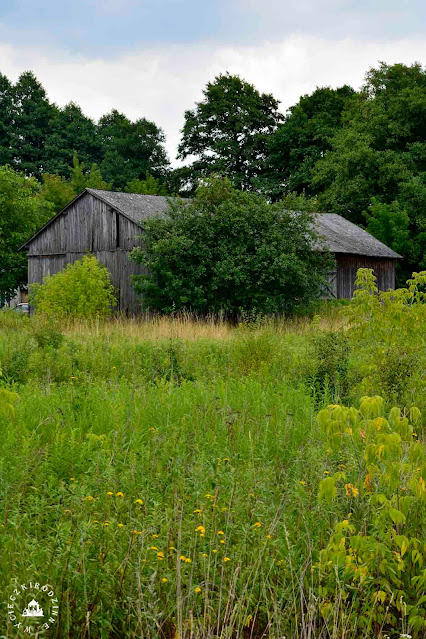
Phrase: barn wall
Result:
[347,266]
[91,226]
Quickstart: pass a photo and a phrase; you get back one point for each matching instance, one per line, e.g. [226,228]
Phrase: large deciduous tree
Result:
[6,120]
[302,140]
[22,212]
[131,150]
[229,251]
[70,132]
[375,171]
[227,132]
[32,115]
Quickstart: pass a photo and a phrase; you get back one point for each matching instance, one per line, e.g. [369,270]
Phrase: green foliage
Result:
[374,561]
[388,330]
[6,120]
[379,156]
[302,139]
[71,134]
[131,150]
[228,130]
[150,186]
[229,251]
[81,290]
[21,213]
[32,113]
[132,453]
[57,191]
[83,178]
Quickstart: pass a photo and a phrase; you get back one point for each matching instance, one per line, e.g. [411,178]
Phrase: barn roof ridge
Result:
[337,233]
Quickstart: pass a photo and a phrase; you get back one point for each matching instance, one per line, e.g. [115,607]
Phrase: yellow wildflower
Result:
[120,525]
[225,559]
[326,472]
[154,536]
[214,550]
[204,554]
[351,491]
[110,493]
[89,498]
[220,532]
[302,482]
[136,532]
[119,494]
[160,555]
[257,524]
[222,541]
[164,580]
[197,510]
[268,536]
[224,509]
[72,478]
[152,429]
[226,459]
[172,548]
[188,560]
[106,523]
[197,589]
[138,501]
[67,510]
[153,548]
[200,529]
[182,557]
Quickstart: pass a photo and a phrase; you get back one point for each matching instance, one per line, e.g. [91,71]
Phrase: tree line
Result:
[361,154]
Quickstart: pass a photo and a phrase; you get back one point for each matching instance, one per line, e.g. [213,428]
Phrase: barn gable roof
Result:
[342,236]
[337,234]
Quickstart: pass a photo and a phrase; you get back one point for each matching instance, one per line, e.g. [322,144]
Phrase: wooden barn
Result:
[106,224]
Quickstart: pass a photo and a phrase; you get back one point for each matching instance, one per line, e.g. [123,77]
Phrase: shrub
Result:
[82,290]
[372,571]
[387,332]
[229,251]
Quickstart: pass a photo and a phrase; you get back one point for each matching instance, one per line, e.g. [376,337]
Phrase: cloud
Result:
[161,83]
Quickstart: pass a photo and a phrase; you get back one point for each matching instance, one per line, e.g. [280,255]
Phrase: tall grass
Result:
[163,474]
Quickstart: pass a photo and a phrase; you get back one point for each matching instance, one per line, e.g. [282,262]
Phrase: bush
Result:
[229,251]
[83,290]
[372,569]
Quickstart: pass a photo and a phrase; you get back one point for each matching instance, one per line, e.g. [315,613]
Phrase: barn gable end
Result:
[88,225]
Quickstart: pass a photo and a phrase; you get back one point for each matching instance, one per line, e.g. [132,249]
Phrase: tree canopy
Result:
[375,172]
[229,251]
[22,212]
[227,131]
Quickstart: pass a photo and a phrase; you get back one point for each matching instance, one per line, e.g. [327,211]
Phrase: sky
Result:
[152,58]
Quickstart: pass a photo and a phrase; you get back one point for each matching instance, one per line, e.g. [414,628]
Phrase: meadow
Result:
[173,478]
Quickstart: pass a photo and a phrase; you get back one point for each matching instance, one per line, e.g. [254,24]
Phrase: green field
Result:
[170,478]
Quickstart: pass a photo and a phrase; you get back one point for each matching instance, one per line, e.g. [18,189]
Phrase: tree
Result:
[82,290]
[302,139]
[150,186]
[57,191]
[131,150]
[22,212]
[229,251]
[32,117]
[83,178]
[6,120]
[227,132]
[70,132]
[379,157]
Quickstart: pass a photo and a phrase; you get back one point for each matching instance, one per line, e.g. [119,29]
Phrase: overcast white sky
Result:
[152,58]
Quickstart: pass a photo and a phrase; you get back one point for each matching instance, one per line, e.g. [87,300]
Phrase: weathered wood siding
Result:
[89,226]
[347,266]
